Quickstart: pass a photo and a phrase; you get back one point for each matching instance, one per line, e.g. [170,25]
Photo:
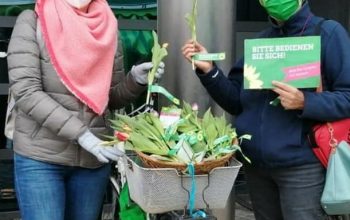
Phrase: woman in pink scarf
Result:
[66,74]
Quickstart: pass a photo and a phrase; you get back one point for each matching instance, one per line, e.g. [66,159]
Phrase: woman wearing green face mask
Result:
[285,178]
[281,10]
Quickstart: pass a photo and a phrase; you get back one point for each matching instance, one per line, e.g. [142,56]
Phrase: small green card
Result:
[293,60]
[209,56]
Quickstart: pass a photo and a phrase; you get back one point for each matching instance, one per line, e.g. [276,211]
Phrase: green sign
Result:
[293,60]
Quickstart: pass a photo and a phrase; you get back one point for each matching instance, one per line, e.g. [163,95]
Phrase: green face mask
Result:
[281,10]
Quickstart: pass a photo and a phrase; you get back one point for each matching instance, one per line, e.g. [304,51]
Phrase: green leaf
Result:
[192,20]
[188,139]
[199,147]
[141,143]
[156,123]
[207,119]
[158,53]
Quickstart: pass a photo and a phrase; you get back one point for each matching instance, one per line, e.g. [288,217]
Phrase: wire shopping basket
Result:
[159,190]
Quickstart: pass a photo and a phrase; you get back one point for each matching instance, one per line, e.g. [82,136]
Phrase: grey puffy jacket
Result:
[49,117]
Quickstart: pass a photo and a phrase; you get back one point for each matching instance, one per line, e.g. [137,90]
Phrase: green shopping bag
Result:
[128,209]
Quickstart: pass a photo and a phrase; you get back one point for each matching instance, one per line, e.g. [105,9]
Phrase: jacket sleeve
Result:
[225,90]
[334,102]
[124,88]
[26,82]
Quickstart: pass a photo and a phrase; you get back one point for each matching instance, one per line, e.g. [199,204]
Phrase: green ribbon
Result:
[231,149]
[170,132]
[191,139]
[176,148]
[209,56]
[220,140]
[161,90]
[226,149]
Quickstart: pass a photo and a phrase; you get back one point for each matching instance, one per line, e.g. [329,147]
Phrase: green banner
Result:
[293,60]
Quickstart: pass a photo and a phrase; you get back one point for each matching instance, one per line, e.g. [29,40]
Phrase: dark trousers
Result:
[292,193]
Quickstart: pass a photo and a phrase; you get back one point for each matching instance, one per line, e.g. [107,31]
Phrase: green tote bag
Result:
[128,209]
[335,198]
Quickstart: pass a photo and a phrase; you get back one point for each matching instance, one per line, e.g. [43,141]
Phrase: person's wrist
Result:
[83,137]
[206,69]
[88,140]
[141,82]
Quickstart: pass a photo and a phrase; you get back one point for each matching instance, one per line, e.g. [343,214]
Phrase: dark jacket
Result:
[279,136]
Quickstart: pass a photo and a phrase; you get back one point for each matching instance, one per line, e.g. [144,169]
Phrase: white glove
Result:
[140,72]
[92,144]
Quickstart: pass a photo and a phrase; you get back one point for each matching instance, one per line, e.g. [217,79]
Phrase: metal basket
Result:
[158,190]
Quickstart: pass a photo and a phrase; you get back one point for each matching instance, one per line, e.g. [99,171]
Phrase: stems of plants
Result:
[194,45]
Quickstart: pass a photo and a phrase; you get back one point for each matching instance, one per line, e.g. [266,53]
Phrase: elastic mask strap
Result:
[262,2]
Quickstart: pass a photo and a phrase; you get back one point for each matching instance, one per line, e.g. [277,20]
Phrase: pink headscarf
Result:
[82,47]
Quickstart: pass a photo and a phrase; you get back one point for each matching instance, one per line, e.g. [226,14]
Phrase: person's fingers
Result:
[191,41]
[160,70]
[159,73]
[110,154]
[189,54]
[200,47]
[284,102]
[111,150]
[284,86]
[185,47]
[280,91]
[292,102]
[161,65]
[289,94]
[146,66]
[120,146]
[193,47]
[188,50]
[100,157]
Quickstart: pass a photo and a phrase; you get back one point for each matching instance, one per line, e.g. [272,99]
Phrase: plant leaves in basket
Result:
[178,137]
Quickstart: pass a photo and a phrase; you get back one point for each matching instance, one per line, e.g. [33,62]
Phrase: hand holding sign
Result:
[291,97]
